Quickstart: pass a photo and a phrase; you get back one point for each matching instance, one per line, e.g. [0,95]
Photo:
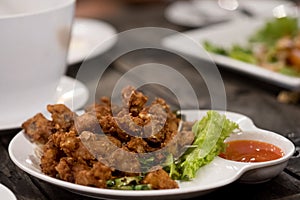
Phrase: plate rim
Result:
[93,52]
[7,191]
[100,193]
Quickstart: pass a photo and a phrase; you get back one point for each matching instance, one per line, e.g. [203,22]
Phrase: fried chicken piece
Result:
[64,169]
[115,141]
[163,126]
[68,167]
[62,145]
[87,122]
[50,158]
[138,145]
[172,119]
[133,100]
[104,108]
[158,118]
[123,160]
[86,149]
[161,134]
[101,146]
[38,128]
[109,126]
[107,121]
[96,176]
[71,145]
[128,124]
[160,179]
[62,116]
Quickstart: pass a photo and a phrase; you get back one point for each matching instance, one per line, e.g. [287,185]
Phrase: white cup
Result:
[34,42]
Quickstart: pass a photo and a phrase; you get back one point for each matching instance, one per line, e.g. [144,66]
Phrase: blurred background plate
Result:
[6,194]
[264,8]
[225,35]
[196,13]
[87,34]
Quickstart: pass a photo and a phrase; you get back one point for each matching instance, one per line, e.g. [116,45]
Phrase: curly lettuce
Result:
[210,133]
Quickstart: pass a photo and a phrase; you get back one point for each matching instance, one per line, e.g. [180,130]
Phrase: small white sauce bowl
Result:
[257,172]
[254,172]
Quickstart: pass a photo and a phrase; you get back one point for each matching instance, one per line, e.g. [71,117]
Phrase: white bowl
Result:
[257,172]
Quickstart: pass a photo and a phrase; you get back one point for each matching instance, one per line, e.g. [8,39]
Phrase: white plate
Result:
[194,14]
[265,8]
[6,193]
[87,34]
[218,173]
[197,13]
[227,34]
[71,92]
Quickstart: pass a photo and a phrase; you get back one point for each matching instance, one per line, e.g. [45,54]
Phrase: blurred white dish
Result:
[226,35]
[265,8]
[87,34]
[6,193]
[69,91]
[218,173]
[185,13]
[197,13]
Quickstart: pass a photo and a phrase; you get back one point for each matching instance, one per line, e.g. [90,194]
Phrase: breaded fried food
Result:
[38,128]
[96,176]
[159,179]
[133,100]
[109,141]
[62,116]
[50,158]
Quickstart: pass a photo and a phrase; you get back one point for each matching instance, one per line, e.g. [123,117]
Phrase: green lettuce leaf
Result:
[210,133]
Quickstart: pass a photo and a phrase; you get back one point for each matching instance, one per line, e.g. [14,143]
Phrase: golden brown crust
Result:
[96,176]
[38,128]
[62,116]
[89,148]
[160,179]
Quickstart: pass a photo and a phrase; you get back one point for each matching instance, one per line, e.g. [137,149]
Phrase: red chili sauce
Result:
[251,151]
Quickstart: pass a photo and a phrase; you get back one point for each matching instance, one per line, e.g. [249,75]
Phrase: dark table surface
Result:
[244,94]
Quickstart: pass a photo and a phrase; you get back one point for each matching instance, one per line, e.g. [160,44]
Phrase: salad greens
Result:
[210,133]
[261,48]
[127,183]
[276,29]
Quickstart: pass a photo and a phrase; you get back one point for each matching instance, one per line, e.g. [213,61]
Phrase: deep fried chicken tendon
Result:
[38,128]
[62,116]
[109,141]
[50,158]
[133,100]
[160,179]
[96,176]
